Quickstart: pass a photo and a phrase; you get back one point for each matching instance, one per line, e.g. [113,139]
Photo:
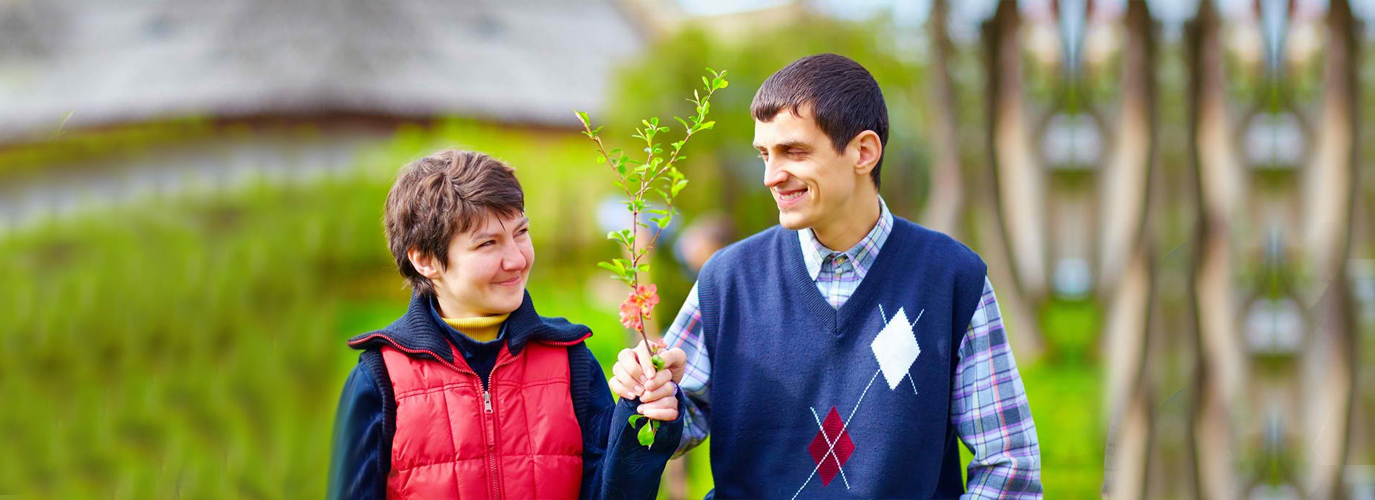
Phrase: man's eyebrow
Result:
[786,145]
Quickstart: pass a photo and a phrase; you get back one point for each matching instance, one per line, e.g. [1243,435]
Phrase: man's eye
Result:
[523,231]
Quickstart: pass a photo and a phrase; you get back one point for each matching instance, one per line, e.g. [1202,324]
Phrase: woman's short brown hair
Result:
[443,195]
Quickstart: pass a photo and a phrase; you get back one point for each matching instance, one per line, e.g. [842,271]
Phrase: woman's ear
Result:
[870,149]
[424,263]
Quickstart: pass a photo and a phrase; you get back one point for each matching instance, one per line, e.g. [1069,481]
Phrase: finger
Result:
[675,360]
[664,409]
[618,388]
[658,380]
[627,360]
[629,384]
[664,388]
[646,366]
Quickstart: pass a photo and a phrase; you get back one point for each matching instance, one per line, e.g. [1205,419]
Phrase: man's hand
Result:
[634,376]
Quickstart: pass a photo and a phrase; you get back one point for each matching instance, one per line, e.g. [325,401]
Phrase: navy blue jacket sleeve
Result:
[355,467]
[630,470]
[595,432]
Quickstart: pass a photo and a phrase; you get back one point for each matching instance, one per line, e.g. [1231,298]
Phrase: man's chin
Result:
[792,221]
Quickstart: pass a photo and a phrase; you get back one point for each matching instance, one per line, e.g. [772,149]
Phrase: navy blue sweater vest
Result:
[786,365]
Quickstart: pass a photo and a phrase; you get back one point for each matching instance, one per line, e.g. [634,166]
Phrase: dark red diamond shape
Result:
[830,463]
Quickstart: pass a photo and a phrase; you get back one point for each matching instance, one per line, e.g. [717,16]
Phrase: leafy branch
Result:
[656,175]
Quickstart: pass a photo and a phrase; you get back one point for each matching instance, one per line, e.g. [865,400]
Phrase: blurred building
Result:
[121,62]
[272,88]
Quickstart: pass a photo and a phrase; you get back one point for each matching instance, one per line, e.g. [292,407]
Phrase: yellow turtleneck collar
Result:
[481,329]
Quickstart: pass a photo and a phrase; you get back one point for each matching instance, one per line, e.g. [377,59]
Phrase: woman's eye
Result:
[487,243]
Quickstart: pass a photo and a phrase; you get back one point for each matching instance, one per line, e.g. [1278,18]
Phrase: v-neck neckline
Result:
[817,305]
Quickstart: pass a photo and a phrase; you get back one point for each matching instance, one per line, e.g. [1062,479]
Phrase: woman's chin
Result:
[507,301]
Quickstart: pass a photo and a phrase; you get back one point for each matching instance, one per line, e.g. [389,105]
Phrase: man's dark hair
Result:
[844,98]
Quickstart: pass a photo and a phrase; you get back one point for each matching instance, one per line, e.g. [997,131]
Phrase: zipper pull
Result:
[487,401]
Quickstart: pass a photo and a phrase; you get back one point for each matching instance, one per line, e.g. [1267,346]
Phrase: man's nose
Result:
[773,175]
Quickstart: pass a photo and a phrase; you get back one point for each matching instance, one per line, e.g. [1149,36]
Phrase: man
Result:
[845,352]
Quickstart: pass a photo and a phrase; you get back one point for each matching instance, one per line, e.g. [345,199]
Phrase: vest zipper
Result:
[489,411]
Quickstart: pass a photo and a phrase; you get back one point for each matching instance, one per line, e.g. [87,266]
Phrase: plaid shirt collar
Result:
[861,256]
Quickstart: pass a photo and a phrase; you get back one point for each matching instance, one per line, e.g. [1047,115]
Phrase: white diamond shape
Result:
[896,349]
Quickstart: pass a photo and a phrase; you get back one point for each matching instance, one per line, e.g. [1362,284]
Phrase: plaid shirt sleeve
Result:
[686,334]
[989,408]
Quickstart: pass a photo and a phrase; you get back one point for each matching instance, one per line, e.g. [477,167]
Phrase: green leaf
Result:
[582,117]
[610,267]
[706,125]
[678,186]
[601,159]
[658,362]
[635,420]
[682,121]
[646,435]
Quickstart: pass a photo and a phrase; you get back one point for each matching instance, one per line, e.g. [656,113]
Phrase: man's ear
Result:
[425,264]
[870,149]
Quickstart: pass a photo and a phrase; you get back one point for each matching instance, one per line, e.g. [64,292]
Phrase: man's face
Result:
[487,269]
[808,179]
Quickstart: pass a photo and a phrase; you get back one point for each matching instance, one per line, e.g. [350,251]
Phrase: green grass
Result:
[194,348]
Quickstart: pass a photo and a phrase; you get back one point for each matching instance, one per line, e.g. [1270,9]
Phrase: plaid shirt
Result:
[988,407]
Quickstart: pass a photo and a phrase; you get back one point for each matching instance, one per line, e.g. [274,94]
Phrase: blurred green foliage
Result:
[194,347]
[653,85]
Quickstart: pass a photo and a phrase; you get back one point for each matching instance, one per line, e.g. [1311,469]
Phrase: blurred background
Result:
[1174,198]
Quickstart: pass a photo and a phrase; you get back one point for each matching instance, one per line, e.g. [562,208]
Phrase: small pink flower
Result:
[638,306]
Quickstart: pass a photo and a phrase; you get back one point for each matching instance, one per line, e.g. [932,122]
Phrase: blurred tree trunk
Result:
[986,209]
[943,207]
[1329,191]
[1221,357]
[1017,173]
[1125,174]
[1127,276]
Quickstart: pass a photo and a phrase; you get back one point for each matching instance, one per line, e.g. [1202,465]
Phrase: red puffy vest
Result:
[520,439]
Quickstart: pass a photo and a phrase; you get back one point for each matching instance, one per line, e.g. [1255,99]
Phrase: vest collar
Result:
[419,334]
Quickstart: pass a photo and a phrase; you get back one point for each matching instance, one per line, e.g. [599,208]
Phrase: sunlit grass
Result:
[195,347]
